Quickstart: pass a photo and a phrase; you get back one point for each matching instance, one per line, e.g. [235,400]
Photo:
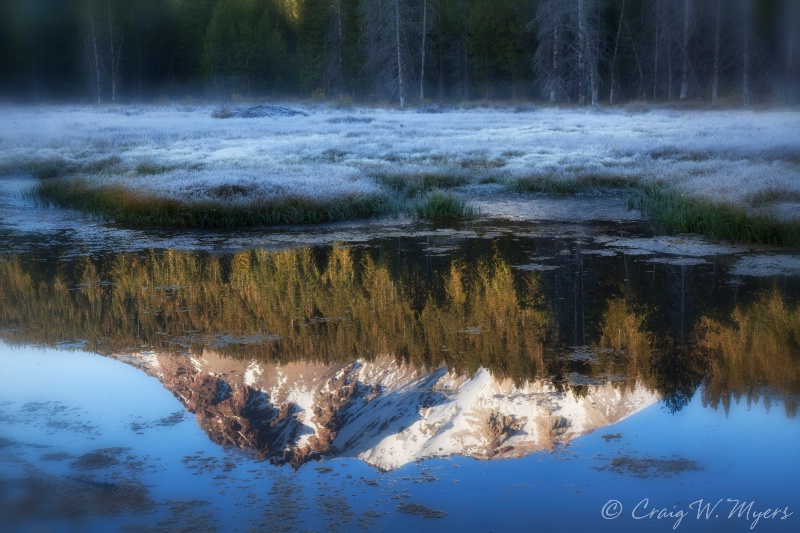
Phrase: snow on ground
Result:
[748,157]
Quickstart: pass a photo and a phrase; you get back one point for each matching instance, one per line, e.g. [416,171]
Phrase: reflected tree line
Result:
[591,319]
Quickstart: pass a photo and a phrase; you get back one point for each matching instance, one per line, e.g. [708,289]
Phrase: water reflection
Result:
[384,412]
[457,334]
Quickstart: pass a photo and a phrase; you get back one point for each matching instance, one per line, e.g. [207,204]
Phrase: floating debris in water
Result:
[650,466]
[420,510]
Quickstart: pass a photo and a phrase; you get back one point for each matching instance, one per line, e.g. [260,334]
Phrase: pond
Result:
[556,367]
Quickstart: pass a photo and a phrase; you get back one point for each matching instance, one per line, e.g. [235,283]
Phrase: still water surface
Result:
[495,375]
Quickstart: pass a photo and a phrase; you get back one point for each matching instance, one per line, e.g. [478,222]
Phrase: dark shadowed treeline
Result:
[732,52]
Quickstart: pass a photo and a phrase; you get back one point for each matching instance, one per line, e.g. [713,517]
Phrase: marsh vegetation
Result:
[177,166]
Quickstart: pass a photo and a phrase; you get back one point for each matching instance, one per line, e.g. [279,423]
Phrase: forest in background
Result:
[401,52]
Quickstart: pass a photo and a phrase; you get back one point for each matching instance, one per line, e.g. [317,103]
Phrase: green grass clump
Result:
[413,185]
[55,167]
[149,168]
[138,208]
[544,184]
[442,206]
[673,212]
[556,184]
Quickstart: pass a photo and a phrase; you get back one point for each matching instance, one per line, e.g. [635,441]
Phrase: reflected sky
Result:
[745,454]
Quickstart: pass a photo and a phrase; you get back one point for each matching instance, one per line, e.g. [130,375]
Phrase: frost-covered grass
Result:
[556,184]
[675,212]
[746,159]
[438,205]
[143,208]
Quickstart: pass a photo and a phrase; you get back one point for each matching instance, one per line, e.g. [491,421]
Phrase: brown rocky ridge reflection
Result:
[381,411]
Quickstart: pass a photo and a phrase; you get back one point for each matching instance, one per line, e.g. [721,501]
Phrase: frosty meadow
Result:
[181,166]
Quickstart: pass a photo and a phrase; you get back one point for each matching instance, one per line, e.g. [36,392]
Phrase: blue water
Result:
[748,455]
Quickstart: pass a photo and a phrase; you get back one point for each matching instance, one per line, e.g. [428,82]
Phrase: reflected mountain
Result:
[399,349]
[383,412]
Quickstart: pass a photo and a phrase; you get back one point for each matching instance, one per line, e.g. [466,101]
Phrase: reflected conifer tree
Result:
[677,371]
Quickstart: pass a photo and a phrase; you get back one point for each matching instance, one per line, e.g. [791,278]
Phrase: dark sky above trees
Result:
[736,52]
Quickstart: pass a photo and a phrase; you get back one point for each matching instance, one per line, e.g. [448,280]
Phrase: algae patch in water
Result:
[420,510]
[67,497]
[97,459]
[648,467]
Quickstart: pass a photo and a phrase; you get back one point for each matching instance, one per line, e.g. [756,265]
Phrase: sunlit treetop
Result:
[290,8]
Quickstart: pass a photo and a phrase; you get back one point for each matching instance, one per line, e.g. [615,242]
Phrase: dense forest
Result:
[402,52]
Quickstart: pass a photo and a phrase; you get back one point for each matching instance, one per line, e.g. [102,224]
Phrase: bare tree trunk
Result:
[116,54]
[670,92]
[655,50]
[614,57]
[488,78]
[440,80]
[685,79]
[715,83]
[638,63]
[791,14]
[339,59]
[137,63]
[790,39]
[746,16]
[111,55]
[422,52]
[465,65]
[581,53]
[594,75]
[94,46]
[399,54]
[554,81]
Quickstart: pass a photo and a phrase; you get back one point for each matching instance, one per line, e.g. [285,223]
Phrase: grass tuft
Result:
[414,185]
[146,168]
[557,184]
[442,206]
[673,212]
[55,167]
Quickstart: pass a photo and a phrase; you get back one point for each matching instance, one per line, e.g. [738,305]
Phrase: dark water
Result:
[493,375]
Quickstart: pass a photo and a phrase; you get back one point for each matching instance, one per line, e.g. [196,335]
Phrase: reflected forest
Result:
[671,327]
[402,52]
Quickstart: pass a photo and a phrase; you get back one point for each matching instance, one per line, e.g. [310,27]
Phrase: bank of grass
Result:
[560,185]
[426,195]
[442,206]
[139,208]
[673,212]
[415,185]
[58,166]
